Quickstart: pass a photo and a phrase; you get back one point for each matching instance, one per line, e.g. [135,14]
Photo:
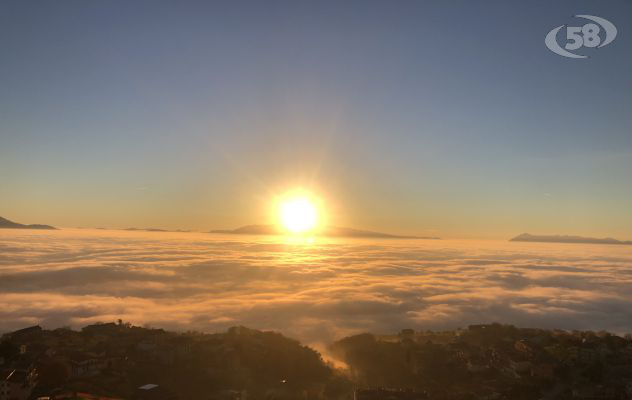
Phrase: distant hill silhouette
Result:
[146,229]
[525,237]
[133,229]
[6,224]
[329,231]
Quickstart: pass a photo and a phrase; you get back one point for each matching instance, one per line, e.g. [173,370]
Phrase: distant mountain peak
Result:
[146,229]
[527,237]
[7,224]
[331,231]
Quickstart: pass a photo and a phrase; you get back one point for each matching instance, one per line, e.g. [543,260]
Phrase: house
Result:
[543,371]
[588,355]
[477,363]
[152,391]
[521,367]
[104,329]
[77,396]
[388,394]
[147,346]
[595,392]
[477,366]
[86,364]
[407,334]
[182,347]
[525,348]
[229,395]
[628,390]
[17,384]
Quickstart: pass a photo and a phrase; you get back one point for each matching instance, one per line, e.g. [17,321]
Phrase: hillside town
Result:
[115,361]
[118,361]
[493,361]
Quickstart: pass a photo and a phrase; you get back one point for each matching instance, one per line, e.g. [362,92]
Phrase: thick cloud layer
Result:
[315,292]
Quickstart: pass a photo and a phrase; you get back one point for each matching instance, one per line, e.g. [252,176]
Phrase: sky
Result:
[418,117]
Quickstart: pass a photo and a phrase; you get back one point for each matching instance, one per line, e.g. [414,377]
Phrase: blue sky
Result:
[417,117]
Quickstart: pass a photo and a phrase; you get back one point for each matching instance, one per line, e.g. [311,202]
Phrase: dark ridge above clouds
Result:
[331,231]
[134,229]
[526,237]
[6,224]
[146,229]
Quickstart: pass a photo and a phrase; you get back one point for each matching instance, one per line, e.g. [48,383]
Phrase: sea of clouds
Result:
[313,291]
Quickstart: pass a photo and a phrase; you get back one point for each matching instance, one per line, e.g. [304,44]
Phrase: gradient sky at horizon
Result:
[450,119]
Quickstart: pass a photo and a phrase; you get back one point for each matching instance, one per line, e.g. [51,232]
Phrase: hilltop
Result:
[525,237]
[6,224]
[331,231]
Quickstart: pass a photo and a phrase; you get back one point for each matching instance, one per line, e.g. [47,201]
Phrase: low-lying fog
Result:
[314,292]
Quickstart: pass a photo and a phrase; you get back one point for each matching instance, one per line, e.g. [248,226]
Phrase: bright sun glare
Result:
[298,214]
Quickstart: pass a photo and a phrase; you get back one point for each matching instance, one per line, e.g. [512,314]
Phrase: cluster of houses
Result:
[483,362]
[42,363]
[388,394]
[17,383]
[116,361]
[18,375]
[493,361]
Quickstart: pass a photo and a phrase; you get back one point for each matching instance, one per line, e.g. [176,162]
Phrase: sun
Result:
[298,214]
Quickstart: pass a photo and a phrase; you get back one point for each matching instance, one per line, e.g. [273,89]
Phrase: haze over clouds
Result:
[314,292]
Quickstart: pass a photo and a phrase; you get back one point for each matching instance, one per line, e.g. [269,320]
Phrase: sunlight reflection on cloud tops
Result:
[314,293]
